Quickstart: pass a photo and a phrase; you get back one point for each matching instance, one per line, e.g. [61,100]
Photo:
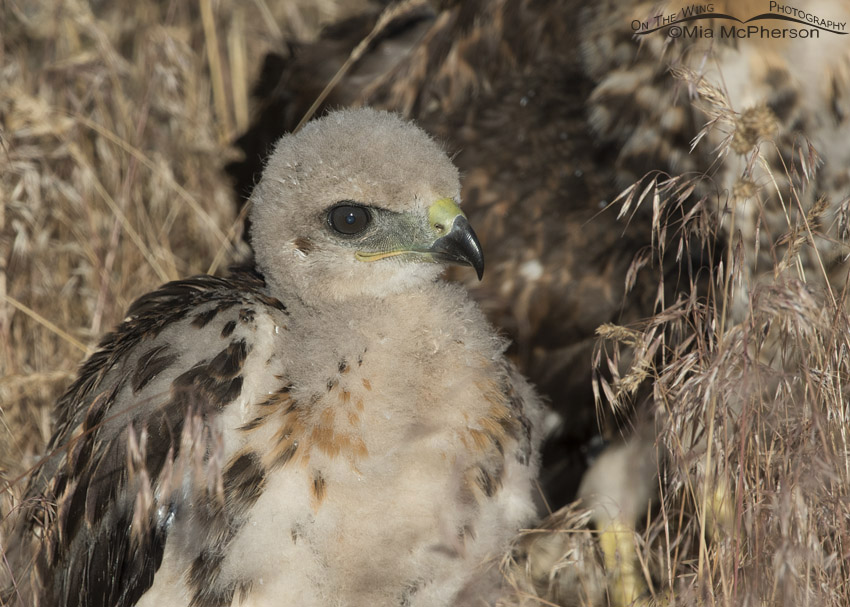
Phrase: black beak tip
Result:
[460,246]
[470,248]
[478,264]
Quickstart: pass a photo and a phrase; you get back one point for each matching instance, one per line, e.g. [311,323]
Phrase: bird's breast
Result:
[389,455]
[367,468]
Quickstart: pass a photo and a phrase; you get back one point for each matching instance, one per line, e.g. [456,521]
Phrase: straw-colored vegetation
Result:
[750,378]
[115,123]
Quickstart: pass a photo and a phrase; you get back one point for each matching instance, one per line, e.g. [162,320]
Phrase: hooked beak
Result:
[459,246]
[446,238]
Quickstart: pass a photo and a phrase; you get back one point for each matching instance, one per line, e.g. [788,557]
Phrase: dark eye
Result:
[348,219]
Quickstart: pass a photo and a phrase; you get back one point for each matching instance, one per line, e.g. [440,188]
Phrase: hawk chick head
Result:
[359,202]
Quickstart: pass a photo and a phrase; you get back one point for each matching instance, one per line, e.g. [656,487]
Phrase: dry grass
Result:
[115,121]
[750,388]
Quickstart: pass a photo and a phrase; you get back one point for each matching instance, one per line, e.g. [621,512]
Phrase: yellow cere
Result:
[441,215]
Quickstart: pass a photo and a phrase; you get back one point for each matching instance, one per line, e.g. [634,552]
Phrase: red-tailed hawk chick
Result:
[346,431]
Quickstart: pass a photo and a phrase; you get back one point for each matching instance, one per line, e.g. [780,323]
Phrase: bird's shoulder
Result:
[149,395]
[169,329]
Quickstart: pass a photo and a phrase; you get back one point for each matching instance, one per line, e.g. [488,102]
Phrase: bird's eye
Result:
[348,219]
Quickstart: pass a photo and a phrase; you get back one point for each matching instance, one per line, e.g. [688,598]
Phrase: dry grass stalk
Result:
[386,17]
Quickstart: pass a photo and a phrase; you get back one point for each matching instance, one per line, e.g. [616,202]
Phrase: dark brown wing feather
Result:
[99,541]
